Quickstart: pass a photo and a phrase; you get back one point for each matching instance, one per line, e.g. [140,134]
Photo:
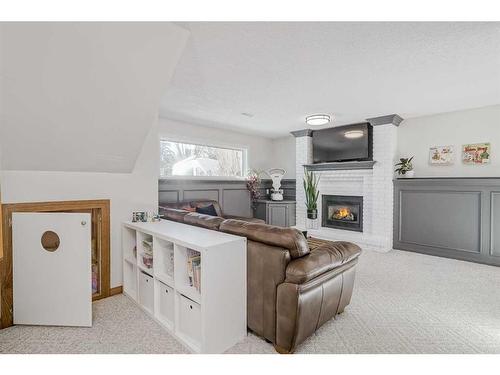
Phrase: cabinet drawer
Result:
[165,303]
[190,319]
[146,291]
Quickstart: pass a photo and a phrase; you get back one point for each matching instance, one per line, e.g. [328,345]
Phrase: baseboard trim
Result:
[116,290]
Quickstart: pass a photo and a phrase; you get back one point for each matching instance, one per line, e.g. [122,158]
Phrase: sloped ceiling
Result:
[82,96]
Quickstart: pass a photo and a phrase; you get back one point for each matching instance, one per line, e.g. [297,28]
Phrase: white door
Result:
[52,269]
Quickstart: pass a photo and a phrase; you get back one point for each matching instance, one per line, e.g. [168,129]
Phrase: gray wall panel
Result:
[450,217]
[168,196]
[495,224]
[212,194]
[445,219]
[237,202]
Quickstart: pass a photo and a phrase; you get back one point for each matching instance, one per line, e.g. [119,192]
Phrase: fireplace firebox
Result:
[342,212]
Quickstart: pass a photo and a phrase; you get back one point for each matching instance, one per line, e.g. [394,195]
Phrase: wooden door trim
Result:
[6,277]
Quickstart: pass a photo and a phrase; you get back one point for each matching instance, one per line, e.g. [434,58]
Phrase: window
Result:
[187,159]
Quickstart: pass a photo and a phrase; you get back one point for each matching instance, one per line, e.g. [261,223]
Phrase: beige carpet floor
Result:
[402,303]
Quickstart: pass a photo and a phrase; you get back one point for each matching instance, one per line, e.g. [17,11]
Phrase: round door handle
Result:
[84,223]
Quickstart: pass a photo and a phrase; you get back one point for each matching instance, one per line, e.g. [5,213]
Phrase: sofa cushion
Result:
[288,238]
[205,221]
[324,256]
[173,213]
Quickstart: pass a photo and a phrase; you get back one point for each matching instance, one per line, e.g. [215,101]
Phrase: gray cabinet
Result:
[280,213]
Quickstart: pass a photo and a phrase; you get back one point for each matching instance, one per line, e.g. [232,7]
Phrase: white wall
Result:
[284,155]
[128,192]
[260,149]
[417,135]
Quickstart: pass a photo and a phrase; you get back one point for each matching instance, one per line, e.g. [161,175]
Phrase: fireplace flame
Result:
[343,213]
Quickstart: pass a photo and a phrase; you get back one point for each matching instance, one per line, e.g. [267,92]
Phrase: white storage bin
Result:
[146,291]
[166,302]
[189,319]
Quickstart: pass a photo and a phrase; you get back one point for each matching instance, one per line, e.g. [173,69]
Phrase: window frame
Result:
[244,159]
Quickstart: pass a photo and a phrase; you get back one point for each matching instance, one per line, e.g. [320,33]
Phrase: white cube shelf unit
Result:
[208,319]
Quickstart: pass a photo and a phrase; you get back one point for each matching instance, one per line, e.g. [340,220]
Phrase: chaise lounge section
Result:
[294,284]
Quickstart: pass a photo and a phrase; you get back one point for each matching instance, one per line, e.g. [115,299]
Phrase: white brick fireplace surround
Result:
[374,185]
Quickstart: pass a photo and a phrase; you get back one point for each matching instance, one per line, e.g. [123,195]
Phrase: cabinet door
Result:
[260,211]
[51,269]
[278,215]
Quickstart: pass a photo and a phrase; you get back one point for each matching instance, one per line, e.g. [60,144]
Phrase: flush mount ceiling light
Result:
[352,134]
[317,120]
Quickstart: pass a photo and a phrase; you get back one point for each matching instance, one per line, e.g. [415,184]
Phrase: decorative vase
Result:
[409,174]
[312,214]
[312,221]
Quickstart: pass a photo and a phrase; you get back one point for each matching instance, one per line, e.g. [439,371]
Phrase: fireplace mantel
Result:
[344,165]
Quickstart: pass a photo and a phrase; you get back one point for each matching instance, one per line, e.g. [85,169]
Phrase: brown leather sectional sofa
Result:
[294,284]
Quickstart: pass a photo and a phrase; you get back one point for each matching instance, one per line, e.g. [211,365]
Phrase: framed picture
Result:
[477,153]
[441,155]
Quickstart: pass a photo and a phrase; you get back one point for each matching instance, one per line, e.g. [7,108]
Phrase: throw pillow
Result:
[207,210]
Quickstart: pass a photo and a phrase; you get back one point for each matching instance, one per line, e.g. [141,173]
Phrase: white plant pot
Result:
[409,174]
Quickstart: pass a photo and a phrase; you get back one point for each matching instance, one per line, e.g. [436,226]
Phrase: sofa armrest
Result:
[266,269]
[324,257]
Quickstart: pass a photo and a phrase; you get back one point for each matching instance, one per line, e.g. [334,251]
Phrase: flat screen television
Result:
[340,143]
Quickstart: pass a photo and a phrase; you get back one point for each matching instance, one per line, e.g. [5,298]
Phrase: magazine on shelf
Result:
[148,247]
[170,262]
[194,268]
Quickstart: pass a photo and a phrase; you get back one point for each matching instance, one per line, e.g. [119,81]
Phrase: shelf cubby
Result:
[189,318]
[146,292]
[164,260]
[130,279]
[182,280]
[164,304]
[145,249]
[129,243]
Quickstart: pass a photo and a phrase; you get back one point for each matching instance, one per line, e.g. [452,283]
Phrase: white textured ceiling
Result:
[82,96]
[281,72]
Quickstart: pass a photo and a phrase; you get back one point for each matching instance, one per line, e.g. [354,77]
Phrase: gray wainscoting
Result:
[450,217]
[233,196]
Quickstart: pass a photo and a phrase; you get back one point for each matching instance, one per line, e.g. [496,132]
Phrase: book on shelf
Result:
[194,268]
[147,246]
[170,262]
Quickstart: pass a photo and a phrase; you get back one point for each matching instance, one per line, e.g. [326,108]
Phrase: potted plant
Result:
[405,167]
[253,186]
[312,194]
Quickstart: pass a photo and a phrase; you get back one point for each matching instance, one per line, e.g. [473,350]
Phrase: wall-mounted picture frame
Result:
[476,153]
[441,155]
